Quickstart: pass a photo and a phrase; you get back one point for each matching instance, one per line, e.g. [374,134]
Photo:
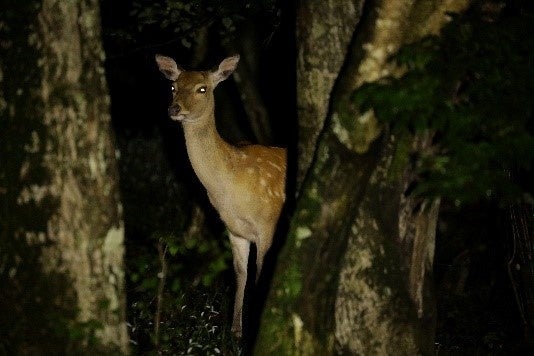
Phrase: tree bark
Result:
[61,215]
[323,32]
[354,275]
[520,265]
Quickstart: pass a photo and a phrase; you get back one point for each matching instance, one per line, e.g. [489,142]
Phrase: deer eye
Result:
[202,89]
[173,89]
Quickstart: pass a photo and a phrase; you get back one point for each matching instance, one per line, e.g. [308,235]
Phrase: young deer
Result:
[246,185]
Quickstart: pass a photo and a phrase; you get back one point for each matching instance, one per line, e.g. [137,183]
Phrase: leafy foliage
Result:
[180,21]
[471,90]
[193,315]
[194,323]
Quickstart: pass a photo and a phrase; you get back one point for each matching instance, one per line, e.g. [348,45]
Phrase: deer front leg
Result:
[240,252]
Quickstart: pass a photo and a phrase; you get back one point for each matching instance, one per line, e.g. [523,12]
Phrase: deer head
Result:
[193,91]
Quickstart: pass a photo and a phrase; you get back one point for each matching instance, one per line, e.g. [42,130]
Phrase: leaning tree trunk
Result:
[354,275]
[324,30]
[61,227]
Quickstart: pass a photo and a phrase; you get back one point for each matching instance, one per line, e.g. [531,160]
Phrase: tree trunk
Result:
[353,276]
[61,225]
[323,31]
[521,264]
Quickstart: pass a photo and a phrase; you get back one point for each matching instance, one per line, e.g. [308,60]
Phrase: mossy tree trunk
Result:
[354,276]
[61,228]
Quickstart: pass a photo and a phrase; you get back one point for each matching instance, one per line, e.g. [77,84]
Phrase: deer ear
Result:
[227,67]
[168,67]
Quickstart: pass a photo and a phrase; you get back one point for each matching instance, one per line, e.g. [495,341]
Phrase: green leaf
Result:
[173,249]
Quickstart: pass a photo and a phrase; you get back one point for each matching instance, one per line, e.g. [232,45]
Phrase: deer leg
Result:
[263,244]
[240,251]
[260,255]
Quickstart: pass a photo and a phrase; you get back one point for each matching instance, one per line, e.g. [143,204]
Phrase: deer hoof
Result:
[237,332]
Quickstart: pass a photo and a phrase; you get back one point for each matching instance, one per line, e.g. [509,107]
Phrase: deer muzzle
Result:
[174,110]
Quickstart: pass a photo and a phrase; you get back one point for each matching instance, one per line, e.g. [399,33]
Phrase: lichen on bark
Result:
[370,301]
[374,313]
[324,30]
[80,157]
[63,223]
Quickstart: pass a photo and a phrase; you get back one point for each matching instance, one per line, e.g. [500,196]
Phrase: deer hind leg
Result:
[262,247]
[240,252]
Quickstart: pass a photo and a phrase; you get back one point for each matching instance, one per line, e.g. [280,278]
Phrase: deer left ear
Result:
[227,67]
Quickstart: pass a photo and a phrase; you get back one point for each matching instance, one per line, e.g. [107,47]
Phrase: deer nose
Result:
[174,110]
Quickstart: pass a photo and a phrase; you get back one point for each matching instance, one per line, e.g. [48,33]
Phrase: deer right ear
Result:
[168,67]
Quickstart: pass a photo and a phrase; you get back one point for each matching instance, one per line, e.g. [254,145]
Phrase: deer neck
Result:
[209,154]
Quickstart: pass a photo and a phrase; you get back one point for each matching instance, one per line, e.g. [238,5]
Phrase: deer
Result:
[245,184]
